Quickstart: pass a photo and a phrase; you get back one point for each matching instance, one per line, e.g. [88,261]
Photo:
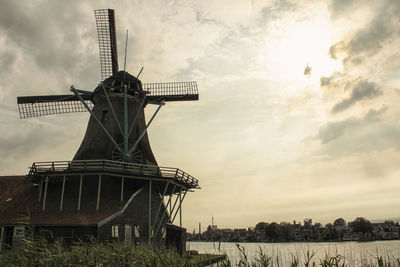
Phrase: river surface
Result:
[352,253]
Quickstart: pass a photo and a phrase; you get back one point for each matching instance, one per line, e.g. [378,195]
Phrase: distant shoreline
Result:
[288,242]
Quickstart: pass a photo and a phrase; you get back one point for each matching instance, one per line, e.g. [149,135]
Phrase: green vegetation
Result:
[358,230]
[309,260]
[206,259]
[41,253]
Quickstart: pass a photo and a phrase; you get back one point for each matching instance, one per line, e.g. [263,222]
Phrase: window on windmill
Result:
[133,86]
[139,84]
[136,231]
[104,115]
[117,83]
[114,230]
[117,86]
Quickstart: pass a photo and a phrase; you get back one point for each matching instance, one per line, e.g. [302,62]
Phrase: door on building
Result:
[128,233]
[136,232]
[8,237]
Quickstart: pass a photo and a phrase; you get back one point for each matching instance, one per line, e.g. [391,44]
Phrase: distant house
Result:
[298,232]
[385,231]
[241,232]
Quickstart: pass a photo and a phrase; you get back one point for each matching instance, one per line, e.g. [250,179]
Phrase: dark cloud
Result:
[55,34]
[383,26]
[375,115]
[370,39]
[325,81]
[340,7]
[333,130]
[336,49]
[337,80]
[363,90]
[374,39]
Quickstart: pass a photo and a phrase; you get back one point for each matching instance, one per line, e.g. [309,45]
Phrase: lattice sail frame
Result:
[171,91]
[171,88]
[28,110]
[105,22]
[35,106]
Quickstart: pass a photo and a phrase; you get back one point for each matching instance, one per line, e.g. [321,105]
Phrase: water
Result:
[354,253]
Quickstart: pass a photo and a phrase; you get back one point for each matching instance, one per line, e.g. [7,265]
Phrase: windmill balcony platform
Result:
[39,171]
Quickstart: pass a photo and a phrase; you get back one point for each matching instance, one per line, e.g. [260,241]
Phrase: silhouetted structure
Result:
[358,230]
[113,188]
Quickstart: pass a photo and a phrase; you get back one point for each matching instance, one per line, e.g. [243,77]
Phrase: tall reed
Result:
[38,252]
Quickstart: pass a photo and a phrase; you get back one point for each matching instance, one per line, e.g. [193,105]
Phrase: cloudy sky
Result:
[298,117]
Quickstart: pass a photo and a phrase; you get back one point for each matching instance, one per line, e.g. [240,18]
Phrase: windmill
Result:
[116,138]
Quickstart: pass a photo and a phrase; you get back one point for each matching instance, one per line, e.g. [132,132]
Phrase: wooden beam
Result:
[98,193]
[180,203]
[45,192]
[120,212]
[165,212]
[122,188]
[62,194]
[161,204]
[80,193]
[40,189]
[180,210]
[150,228]
[173,207]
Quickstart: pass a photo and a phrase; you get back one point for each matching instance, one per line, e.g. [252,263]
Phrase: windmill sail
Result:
[172,91]
[105,22]
[34,106]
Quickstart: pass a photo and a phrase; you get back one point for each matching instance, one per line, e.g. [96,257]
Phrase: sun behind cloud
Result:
[298,44]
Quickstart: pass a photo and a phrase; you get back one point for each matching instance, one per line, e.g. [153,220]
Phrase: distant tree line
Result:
[276,232]
[359,229]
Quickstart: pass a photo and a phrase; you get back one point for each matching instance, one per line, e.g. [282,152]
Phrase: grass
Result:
[309,260]
[206,259]
[41,253]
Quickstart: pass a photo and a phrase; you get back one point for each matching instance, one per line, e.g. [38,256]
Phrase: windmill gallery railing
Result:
[39,169]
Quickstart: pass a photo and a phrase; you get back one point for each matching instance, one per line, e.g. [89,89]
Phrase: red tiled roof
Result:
[19,203]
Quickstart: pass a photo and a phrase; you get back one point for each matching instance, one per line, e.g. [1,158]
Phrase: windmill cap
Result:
[122,76]
[116,83]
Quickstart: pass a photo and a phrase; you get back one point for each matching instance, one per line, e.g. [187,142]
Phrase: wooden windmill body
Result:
[113,187]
